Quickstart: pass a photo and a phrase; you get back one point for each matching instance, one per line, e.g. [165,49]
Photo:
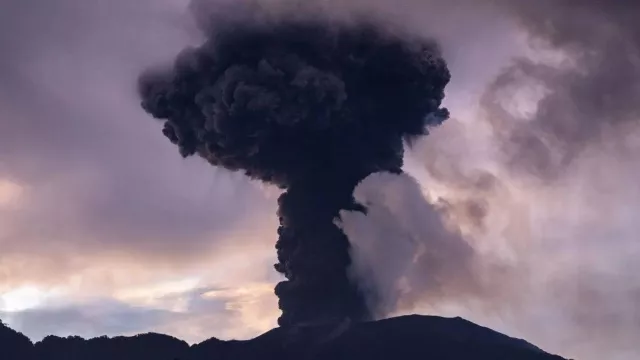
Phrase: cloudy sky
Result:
[105,229]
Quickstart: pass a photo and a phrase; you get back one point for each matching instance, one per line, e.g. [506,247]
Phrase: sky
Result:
[105,229]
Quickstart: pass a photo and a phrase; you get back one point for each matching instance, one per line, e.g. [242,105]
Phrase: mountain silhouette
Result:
[405,337]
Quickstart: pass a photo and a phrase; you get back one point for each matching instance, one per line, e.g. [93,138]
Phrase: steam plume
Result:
[425,259]
[313,107]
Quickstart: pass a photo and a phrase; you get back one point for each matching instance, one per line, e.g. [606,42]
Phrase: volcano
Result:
[406,337]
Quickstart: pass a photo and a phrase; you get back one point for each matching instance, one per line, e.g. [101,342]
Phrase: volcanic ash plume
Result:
[313,108]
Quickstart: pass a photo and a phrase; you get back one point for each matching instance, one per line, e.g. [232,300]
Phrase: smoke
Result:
[402,250]
[586,90]
[565,117]
[313,107]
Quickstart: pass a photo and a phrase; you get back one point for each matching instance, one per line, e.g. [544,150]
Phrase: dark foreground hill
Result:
[407,337]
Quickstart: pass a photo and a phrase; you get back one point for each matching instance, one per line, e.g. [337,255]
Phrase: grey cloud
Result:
[604,317]
[92,179]
[101,318]
[551,166]
[229,313]
[592,95]
[463,170]
[110,317]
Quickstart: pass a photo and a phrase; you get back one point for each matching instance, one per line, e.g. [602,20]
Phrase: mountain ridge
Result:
[404,337]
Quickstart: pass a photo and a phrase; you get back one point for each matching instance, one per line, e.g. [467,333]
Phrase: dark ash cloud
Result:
[312,106]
